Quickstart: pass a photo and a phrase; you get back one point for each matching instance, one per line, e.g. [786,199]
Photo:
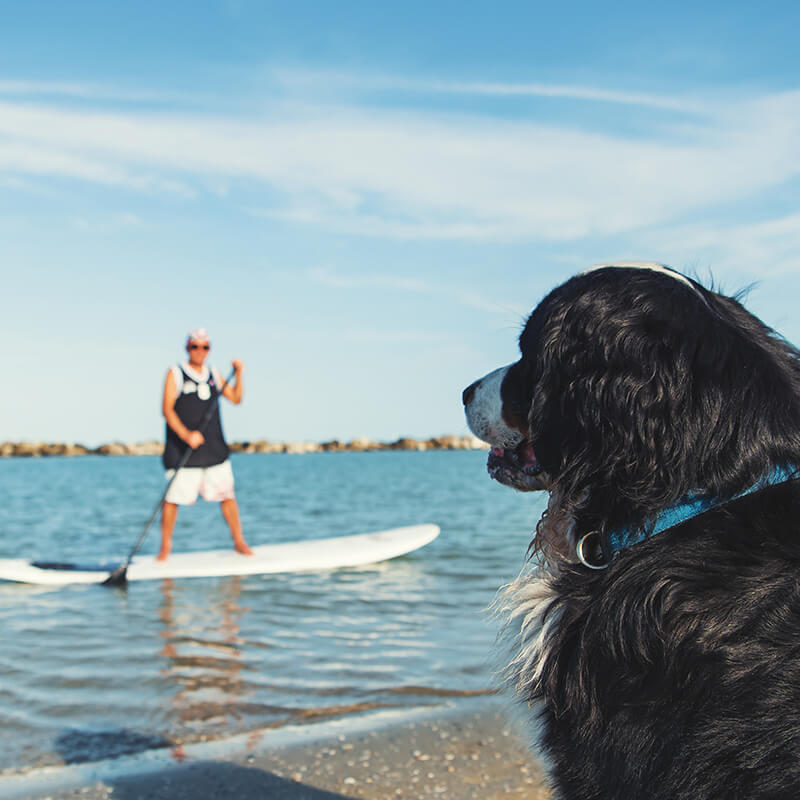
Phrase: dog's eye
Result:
[518,380]
[516,392]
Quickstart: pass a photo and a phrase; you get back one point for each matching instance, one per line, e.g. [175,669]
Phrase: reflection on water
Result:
[87,672]
[203,655]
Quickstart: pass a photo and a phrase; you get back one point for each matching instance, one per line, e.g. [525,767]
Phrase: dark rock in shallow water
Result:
[80,747]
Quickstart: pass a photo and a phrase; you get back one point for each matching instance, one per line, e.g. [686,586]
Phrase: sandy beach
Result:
[472,754]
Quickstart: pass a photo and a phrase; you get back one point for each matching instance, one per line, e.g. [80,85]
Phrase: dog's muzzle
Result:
[512,460]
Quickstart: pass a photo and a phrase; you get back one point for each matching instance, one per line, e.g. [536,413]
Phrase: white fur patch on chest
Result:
[527,608]
[524,605]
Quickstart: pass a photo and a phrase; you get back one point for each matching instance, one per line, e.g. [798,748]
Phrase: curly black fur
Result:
[675,673]
[643,392]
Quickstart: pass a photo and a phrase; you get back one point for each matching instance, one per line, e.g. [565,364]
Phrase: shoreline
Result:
[36,449]
[464,751]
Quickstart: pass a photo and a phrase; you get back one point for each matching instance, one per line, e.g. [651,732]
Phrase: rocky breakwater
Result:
[36,449]
[361,445]
[155,448]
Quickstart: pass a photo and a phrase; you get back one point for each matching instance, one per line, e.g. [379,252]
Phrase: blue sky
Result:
[363,201]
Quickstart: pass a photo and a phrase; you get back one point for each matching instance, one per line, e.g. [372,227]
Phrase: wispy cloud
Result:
[768,248]
[325,82]
[57,88]
[85,91]
[26,185]
[338,280]
[377,280]
[104,224]
[380,171]
[43,156]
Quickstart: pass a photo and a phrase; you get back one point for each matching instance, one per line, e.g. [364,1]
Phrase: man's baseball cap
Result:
[198,335]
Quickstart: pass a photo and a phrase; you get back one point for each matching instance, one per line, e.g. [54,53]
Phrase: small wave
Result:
[431,691]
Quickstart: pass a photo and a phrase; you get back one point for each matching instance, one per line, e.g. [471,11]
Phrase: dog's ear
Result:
[643,397]
[613,388]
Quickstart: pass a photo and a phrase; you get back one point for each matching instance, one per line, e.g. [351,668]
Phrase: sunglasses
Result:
[199,346]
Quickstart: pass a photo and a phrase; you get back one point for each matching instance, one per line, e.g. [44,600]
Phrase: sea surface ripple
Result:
[88,672]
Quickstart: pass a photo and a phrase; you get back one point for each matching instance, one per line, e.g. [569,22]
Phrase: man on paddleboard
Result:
[189,389]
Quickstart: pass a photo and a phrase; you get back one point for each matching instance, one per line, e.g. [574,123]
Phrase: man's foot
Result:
[162,556]
[243,549]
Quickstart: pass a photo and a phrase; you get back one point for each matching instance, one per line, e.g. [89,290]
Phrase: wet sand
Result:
[460,755]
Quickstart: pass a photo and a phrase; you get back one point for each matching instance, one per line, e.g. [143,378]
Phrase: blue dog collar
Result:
[682,511]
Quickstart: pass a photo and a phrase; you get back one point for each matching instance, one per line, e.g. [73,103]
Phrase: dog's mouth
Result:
[517,468]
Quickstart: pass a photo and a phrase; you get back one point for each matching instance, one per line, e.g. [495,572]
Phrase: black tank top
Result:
[192,404]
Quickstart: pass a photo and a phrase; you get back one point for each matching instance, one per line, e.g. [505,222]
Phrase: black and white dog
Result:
[658,621]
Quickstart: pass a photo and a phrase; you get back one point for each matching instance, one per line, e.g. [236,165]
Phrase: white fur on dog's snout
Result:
[485,412]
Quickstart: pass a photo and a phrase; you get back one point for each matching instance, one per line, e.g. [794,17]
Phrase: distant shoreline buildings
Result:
[154,448]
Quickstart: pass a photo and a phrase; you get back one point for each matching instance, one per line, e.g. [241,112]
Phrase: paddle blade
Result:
[119,577]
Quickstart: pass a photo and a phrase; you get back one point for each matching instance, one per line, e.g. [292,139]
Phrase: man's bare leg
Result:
[230,510]
[169,513]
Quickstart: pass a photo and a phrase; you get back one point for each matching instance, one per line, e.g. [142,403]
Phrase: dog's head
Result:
[635,387]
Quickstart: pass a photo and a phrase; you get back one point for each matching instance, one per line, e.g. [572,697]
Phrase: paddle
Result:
[119,577]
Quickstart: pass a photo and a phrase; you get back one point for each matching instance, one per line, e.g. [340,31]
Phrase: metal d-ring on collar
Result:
[582,557]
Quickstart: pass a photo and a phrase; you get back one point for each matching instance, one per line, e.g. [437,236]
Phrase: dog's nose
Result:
[469,393]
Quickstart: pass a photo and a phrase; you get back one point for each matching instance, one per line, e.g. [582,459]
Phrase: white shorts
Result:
[213,483]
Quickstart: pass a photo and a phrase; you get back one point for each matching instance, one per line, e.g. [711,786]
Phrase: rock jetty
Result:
[155,448]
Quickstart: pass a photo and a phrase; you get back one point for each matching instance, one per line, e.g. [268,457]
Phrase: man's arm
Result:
[235,392]
[193,438]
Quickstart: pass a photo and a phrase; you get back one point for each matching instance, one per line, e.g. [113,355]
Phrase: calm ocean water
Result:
[88,672]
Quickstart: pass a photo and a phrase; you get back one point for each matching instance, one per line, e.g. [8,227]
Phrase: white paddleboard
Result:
[308,556]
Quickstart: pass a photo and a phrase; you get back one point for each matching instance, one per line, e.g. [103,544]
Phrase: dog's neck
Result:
[682,511]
